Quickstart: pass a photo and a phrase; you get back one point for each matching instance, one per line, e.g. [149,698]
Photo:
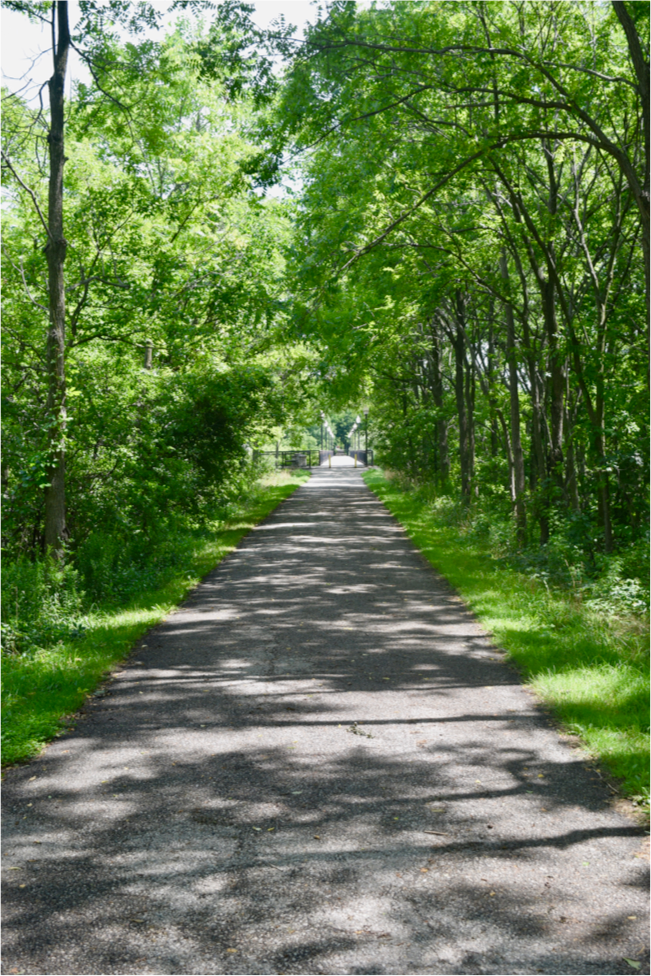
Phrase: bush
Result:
[42,604]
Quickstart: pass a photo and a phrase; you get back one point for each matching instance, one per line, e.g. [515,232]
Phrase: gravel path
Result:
[318,764]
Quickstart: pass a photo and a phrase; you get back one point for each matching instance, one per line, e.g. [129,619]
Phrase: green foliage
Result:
[171,252]
[591,668]
[175,371]
[42,604]
[60,645]
[460,250]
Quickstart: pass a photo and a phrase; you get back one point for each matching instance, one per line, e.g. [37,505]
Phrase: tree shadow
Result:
[319,764]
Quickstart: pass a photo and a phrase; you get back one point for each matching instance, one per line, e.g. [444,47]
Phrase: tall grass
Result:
[59,642]
[590,666]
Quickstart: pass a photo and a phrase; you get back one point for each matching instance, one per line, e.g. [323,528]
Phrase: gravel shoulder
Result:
[319,764]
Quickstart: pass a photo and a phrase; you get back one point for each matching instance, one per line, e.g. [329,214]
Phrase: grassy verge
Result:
[592,669]
[41,690]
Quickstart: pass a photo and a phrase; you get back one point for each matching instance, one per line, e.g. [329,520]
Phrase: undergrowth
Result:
[580,643]
[63,628]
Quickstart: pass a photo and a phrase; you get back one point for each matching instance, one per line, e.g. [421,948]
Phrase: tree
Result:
[226,53]
[173,285]
[456,147]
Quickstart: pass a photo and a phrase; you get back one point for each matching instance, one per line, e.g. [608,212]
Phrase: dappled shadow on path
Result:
[318,765]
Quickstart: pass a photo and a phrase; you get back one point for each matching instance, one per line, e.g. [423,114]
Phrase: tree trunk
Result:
[470,413]
[514,399]
[459,344]
[55,493]
[495,436]
[646,250]
[557,385]
[441,423]
[509,456]
[603,484]
[603,505]
[637,48]
[571,485]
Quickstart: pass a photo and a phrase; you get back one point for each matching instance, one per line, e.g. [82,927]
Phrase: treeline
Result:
[142,360]
[465,251]
[472,251]
[143,307]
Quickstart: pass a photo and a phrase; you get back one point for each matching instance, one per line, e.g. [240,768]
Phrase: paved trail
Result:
[318,765]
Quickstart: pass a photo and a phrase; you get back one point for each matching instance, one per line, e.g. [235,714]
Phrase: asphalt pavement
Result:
[319,764]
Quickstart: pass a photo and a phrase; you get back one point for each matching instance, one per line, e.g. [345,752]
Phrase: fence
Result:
[361,457]
[309,458]
[291,459]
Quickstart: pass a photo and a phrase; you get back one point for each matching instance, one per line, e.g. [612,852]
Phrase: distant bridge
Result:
[315,458]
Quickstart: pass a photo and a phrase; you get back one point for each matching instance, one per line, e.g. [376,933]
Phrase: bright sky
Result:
[23,42]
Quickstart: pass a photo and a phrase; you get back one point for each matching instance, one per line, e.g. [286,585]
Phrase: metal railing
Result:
[310,457]
[361,457]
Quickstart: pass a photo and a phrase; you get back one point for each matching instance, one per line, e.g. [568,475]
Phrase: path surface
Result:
[339,461]
[318,765]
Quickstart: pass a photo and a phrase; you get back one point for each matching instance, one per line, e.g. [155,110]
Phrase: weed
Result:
[53,662]
[589,663]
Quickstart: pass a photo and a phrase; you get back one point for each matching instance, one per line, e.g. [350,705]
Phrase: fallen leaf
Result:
[492,893]
[31,778]
[317,837]
[14,869]
[541,775]
[424,870]
[633,963]
[22,886]
[440,833]
[296,792]
[631,918]
[231,950]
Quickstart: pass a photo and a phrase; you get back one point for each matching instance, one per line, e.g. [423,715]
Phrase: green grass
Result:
[42,690]
[592,670]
